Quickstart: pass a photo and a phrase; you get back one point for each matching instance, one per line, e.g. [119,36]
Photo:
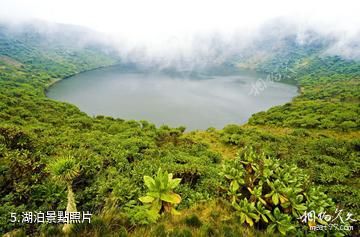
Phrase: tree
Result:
[64,170]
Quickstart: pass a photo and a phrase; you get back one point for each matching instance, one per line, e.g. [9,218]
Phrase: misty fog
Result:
[192,35]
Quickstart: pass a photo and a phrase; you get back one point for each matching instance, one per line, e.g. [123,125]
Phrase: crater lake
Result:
[196,101]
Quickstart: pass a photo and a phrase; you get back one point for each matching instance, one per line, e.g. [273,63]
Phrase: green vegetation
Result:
[266,192]
[65,170]
[300,156]
[160,194]
[329,99]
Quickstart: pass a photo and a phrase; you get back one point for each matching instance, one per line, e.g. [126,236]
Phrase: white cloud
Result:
[155,19]
[176,27]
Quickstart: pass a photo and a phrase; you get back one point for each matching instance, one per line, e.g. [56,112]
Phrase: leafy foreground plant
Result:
[261,190]
[160,196]
[64,170]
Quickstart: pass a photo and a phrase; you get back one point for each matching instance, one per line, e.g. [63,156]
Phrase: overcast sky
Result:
[169,27]
[141,18]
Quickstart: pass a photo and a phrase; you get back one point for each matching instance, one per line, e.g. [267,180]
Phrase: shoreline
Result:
[52,83]
[294,83]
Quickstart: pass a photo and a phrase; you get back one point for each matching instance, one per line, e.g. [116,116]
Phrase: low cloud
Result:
[201,50]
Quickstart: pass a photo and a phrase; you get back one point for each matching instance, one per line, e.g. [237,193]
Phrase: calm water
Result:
[197,103]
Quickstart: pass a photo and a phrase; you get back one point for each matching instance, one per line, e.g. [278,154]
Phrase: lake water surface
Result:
[161,98]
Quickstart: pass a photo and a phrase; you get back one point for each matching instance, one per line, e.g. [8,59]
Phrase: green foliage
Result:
[329,97]
[262,190]
[65,169]
[14,138]
[246,211]
[160,193]
[328,157]
[141,215]
[280,222]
